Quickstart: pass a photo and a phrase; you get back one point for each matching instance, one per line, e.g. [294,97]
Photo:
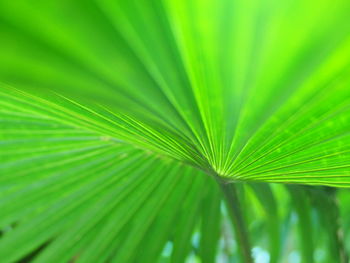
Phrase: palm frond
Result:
[124,124]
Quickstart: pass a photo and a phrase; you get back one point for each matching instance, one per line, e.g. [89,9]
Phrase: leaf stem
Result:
[337,231]
[236,215]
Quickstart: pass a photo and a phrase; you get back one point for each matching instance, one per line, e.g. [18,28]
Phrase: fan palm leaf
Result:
[128,128]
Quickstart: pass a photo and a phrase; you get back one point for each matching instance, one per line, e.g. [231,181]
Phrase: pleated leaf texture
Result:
[120,121]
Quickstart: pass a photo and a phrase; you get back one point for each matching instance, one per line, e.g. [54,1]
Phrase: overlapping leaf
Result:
[76,193]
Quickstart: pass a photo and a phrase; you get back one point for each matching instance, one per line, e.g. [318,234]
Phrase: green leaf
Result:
[280,114]
[124,124]
[78,199]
